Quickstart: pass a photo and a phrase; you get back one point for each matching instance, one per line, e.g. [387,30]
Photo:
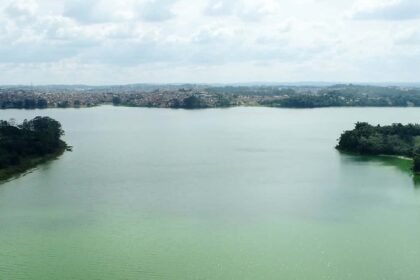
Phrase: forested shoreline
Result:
[395,140]
[23,146]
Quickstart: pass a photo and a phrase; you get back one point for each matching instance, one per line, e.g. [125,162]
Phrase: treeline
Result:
[178,102]
[252,90]
[39,103]
[396,139]
[196,102]
[26,103]
[36,138]
[337,98]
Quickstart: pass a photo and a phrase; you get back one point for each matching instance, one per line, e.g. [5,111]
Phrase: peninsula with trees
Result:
[394,140]
[25,145]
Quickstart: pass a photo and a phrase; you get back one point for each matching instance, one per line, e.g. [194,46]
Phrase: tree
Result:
[193,102]
[116,100]
[396,139]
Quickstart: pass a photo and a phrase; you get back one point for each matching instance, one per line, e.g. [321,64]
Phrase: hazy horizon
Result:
[257,83]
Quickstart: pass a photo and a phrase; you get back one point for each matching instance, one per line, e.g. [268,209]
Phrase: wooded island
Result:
[395,140]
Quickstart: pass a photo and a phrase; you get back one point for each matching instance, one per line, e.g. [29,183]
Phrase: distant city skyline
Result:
[104,42]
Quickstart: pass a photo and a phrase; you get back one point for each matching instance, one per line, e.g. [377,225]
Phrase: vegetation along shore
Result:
[24,146]
[395,140]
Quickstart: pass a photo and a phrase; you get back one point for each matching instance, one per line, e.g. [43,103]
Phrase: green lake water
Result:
[242,193]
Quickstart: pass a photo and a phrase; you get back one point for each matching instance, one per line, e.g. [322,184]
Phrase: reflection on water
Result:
[416,180]
[401,164]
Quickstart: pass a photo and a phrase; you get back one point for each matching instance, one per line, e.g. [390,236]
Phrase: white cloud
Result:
[409,37]
[386,10]
[243,9]
[156,10]
[98,11]
[220,8]
[22,11]
[96,41]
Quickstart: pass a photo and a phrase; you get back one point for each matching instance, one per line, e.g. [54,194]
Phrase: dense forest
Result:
[24,145]
[396,139]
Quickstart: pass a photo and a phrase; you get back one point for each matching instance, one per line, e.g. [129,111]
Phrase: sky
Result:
[208,41]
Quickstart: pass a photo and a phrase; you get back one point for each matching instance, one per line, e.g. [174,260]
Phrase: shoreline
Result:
[398,157]
[351,153]
[214,107]
[29,164]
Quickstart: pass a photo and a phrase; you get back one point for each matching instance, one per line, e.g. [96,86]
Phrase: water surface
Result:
[242,193]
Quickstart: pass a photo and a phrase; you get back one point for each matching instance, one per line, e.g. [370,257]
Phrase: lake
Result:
[241,193]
